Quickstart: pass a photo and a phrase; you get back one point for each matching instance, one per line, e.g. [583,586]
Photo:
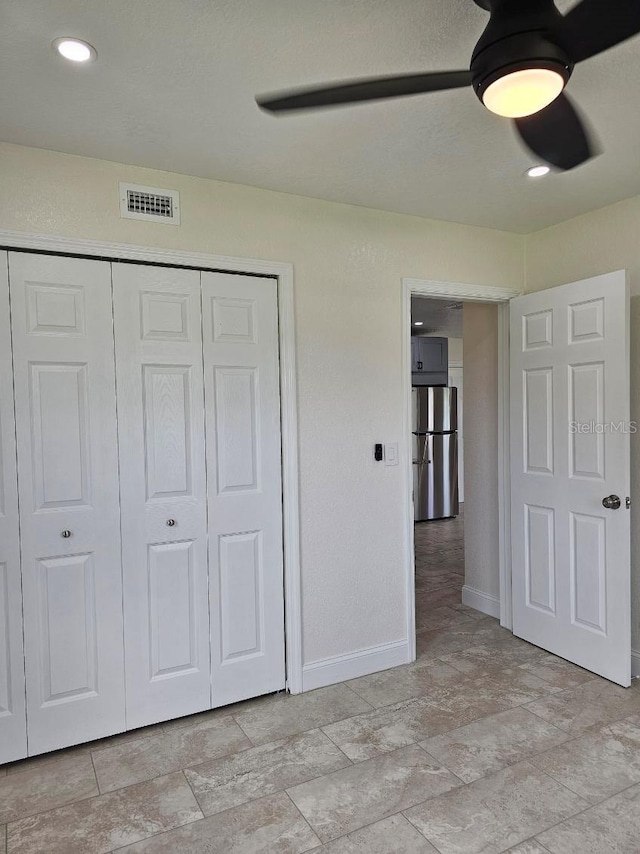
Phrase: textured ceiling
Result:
[438,316]
[174,84]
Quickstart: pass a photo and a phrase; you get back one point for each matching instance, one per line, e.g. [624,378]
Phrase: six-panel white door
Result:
[570,450]
[163,491]
[242,398]
[13,725]
[69,507]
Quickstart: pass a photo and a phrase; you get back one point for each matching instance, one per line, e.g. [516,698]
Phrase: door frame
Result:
[283,272]
[458,365]
[470,293]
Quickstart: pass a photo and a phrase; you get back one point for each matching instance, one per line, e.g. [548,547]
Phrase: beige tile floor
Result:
[484,744]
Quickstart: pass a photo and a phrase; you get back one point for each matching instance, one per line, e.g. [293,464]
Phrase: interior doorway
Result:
[438,569]
[437,383]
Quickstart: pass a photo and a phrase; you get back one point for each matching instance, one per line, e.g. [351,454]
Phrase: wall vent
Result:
[149,203]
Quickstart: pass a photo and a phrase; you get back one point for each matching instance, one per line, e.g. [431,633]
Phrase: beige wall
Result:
[348,264]
[480,343]
[455,350]
[600,242]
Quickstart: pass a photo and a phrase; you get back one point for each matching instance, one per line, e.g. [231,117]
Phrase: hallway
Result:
[439,557]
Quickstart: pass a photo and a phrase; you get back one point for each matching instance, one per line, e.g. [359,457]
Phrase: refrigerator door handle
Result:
[426,454]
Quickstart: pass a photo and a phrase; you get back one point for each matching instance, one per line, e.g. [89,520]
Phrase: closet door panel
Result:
[242,392]
[163,491]
[69,503]
[13,720]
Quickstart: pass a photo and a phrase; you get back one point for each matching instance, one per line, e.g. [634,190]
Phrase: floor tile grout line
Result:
[423,835]
[304,818]
[398,814]
[177,770]
[95,773]
[317,725]
[466,785]
[154,835]
[504,767]
[99,795]
[577,794]
[352,763]
[277,791]
[205,817]
[442,764]
[48,758]
[577,737]
[581,812]
[539,844]
[355,690]
[53,809]
[529,757]
[193,792]
[334,742]
[463,782]
[102,793]
[245,732]
[362,699]
[558,694]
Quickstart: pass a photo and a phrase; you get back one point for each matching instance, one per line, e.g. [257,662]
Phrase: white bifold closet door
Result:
[69,504]
[244,485]
[13,724]
[163,491]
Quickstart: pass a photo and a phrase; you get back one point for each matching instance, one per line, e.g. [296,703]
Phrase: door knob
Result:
[171,522]
[65,534]
[611,502]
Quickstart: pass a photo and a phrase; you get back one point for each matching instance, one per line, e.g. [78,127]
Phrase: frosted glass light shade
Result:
[523,93]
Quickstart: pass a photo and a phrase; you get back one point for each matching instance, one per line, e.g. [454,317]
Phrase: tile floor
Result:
[484,744]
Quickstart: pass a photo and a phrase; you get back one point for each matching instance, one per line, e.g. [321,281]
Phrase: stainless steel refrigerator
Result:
[435,452]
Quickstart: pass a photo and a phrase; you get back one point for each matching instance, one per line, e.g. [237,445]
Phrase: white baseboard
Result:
[328,671]
[635,662]
[483,602]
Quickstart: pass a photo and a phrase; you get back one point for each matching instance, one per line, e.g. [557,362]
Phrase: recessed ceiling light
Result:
[75,49]
[538,171]
[418,323]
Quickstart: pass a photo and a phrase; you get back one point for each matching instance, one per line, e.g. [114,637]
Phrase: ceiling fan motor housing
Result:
[519,36]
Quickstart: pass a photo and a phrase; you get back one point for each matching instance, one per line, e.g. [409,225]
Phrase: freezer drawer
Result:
[435,476]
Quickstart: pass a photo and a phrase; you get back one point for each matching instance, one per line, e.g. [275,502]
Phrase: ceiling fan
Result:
[519,69]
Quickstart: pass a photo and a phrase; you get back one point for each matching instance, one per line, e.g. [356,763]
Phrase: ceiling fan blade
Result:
[373,89]
[596,25]
[557,135]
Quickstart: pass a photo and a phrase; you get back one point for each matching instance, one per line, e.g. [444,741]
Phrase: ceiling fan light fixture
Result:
[524,92]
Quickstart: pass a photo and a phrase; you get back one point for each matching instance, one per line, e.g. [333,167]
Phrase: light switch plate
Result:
[391,454]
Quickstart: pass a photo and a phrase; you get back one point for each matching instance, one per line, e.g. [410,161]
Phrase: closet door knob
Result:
[171,522]
[65,534]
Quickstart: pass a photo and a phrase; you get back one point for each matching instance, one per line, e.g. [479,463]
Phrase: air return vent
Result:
[150,204]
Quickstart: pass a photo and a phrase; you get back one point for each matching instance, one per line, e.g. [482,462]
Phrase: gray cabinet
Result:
[429,360]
